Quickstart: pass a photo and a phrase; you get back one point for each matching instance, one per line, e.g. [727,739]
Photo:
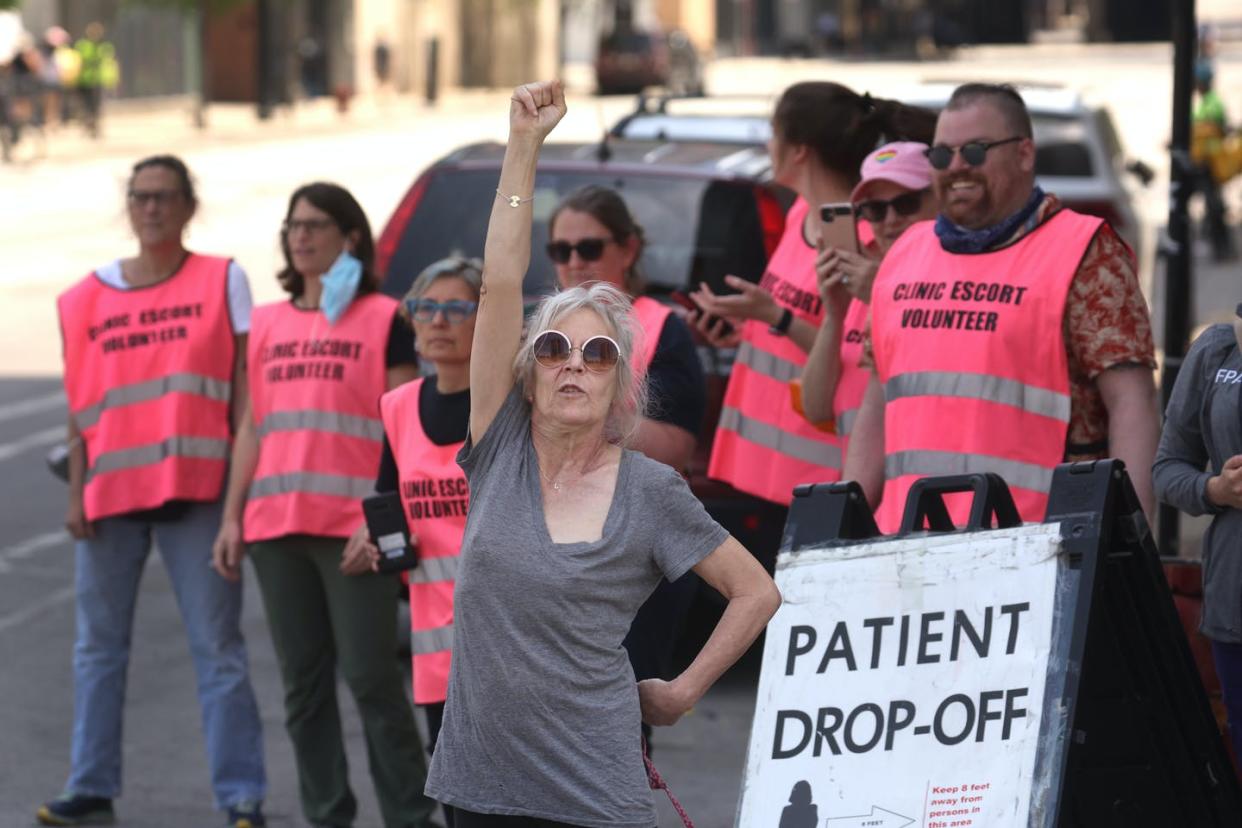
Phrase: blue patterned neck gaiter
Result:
[955,239]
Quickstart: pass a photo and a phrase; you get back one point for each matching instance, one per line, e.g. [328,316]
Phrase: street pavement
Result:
[62,215]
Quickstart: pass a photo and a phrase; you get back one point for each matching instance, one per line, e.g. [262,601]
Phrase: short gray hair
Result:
[629,401]
[469,271]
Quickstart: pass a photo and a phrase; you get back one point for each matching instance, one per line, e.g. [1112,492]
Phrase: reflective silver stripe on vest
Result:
[351,425]
[312,483]
[1028,398]
[791,445]
[845,421]
[434,570]
[436,640]
[206,448]
[931,463]
[209,387]
[781,370]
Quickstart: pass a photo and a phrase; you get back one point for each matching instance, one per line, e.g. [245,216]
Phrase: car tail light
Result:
[391,237]
[771,219]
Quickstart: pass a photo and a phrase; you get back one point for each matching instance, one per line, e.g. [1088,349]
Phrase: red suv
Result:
[708,210]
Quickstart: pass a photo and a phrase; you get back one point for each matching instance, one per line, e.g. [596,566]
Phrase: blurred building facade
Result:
[282,50]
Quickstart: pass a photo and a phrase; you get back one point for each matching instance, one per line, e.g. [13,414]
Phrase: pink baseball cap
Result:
[902,162]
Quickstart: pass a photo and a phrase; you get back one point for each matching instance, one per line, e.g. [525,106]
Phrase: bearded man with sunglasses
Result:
[1008,336]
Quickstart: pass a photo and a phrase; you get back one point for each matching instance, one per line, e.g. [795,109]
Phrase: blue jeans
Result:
[109,567]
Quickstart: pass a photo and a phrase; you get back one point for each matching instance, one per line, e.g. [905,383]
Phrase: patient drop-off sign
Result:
[903,684]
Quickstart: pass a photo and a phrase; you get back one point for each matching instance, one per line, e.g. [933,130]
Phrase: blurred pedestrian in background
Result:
[1011,334]
[568,535]
[821,132]
[1213,158]
[425,426]
[99,71]
[894,193]
[155,371]
[307,450]
[55,74]
[1198,469]
[594,237]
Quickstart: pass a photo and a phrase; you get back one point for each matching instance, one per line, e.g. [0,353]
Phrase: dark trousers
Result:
[322,620]
[469,819]
[1228,658]
[435,719]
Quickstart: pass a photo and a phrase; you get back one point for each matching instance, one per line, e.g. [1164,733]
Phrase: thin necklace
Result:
[556,487]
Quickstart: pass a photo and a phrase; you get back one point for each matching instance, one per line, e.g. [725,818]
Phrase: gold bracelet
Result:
[514,201]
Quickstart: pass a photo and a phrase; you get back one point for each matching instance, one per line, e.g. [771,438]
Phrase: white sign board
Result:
[903,684]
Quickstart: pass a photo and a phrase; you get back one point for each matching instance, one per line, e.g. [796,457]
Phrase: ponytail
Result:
[842,127]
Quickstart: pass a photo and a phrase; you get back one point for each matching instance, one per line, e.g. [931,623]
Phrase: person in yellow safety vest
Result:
[1008,336]
[821,132]
[1216,158]
[97,71]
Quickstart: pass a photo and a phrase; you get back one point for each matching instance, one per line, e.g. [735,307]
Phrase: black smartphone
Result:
[385,518]
[837,228]
[695,311]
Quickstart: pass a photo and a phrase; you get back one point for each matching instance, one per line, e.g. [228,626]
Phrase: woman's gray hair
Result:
[629,401]
[469,271]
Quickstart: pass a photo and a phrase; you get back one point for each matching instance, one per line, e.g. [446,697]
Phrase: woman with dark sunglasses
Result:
[306,453]
[894,193]
[594,237]
[568,534]
[425,424]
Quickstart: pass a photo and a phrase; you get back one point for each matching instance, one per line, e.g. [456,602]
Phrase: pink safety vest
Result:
[970,351]
[148,376]
[853,379]
[315,390]
[436,496]
[651,316]
[763,446]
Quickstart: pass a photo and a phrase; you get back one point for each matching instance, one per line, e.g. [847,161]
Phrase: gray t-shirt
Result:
[542,717]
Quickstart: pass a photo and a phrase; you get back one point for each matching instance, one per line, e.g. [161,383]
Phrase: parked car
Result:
[629,61]
[1078,154]
[708,210]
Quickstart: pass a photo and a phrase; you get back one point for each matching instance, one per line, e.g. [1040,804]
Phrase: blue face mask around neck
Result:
[340,284]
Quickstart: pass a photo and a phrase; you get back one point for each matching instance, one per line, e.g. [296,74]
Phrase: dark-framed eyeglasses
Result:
[160,198]
[906,204]
[455,311]
[316,225]
[552,349]
[589,250]
[973,153]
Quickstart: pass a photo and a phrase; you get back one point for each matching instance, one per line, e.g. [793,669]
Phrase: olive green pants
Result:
[322,620]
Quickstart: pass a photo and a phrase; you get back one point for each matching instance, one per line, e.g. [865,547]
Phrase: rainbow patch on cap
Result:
[887,155]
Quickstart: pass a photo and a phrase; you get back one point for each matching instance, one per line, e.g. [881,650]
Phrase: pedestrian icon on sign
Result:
[801,812]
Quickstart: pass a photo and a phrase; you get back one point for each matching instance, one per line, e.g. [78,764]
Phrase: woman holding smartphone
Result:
[821,132]
[894,193]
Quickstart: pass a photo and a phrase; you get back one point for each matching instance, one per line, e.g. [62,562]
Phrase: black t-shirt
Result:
[400,349]
[675,380]
[444,417]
